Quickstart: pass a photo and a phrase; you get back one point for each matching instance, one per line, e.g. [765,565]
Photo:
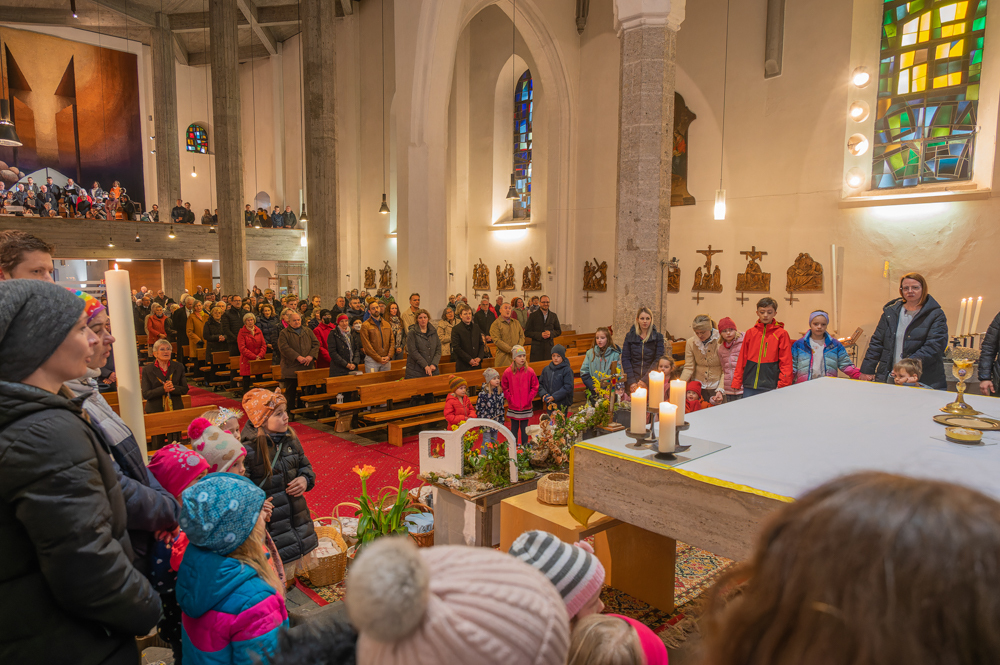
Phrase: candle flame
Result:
[116,266]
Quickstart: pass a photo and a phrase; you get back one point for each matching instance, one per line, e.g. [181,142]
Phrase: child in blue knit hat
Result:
[232,601]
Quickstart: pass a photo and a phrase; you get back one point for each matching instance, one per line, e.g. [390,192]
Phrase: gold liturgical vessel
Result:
[963,359]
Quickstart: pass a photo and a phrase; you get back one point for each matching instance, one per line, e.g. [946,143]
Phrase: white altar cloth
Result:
[789,441]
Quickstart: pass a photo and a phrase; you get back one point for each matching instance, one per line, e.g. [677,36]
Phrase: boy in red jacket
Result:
[765,360]
[458,406]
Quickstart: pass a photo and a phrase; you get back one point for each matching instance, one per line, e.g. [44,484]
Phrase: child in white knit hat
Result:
[452,605]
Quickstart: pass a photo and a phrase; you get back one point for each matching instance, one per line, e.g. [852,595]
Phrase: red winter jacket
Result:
[322,332]
[457,411]
[252,347]
[765,358]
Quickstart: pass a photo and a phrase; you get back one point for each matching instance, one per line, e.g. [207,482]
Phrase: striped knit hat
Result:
[456,382]
[573,569]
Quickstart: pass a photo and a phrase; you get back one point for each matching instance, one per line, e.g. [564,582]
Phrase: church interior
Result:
[814,178]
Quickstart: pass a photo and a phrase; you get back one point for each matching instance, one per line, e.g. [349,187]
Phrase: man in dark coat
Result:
[232,321]
[467,346]
[178,212]
[485,316]
[140,312]
[542,328]
[179,321]
[70,592]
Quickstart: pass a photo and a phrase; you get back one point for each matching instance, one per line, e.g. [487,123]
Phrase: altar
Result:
[749,457]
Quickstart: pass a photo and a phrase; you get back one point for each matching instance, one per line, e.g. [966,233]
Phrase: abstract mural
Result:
[76,110]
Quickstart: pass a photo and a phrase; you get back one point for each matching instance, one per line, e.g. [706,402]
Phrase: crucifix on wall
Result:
[705,277]
[753,279]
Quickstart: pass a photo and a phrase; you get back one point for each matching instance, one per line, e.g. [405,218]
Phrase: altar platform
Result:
[750,456]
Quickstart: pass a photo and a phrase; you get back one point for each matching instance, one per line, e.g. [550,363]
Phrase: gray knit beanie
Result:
[489,374]
[35,318]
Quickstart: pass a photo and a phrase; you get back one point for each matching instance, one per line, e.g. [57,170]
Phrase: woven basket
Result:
[553,489]
[330,569]
[425,539]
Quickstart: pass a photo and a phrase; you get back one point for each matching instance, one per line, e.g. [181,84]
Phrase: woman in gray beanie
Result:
[71,594]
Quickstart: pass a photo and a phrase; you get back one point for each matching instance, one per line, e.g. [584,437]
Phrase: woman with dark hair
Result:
[520,311]
[912,326]
[70,592]
[270,325]
[398,331]
[868,569]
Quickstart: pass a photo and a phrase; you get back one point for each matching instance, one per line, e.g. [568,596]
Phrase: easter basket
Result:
[330,568]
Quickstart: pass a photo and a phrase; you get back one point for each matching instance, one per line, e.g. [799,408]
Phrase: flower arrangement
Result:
[379,516]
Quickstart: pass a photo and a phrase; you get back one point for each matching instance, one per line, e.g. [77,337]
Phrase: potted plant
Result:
[383,515]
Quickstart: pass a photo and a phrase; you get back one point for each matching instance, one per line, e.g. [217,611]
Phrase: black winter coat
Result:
[638,357]
[341,354]
[152,381]
[557,382]
[466,344]
[926,340]
[69,591]
[291,526]
[422,349]
[212,331]
[232,321]
[179,320]
[484,319]
[989,351]
[541,349]
[270,329]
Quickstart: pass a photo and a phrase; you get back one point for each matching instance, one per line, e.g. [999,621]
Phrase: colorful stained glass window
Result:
[197,139]
[928,91]
[523,109]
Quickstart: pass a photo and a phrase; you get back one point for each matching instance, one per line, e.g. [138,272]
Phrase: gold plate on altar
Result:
[970,422]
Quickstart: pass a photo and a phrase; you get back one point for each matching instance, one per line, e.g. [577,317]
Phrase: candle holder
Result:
[678,448]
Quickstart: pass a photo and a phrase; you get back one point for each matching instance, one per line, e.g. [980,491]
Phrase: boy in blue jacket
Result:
[556,384]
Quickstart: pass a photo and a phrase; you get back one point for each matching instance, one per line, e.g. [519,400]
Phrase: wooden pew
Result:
[112,399]
[275,379]
[171,421]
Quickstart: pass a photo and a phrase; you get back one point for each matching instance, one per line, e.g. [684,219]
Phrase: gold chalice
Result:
[963,359]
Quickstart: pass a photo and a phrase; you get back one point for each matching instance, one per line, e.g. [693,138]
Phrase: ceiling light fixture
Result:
[137,236]
[8,134]
[384,209]
[303,218]
[111,243]
[860,77]
[72,8]
[194,172]
[512,194]
[171,235]
[720,194]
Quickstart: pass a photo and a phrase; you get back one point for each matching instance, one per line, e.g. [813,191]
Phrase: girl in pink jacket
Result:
[520,385]
[729,353]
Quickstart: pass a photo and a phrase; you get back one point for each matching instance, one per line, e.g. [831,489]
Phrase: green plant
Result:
[379,516]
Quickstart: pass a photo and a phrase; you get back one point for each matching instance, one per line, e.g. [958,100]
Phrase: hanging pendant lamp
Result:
[384,209]
[171,235]
[720,194]
[512,194]
[8,134]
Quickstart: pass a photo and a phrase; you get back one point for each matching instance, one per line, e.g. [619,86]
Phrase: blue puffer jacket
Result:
[926,340]
[639,357]
[834,358]
[229,612]
[557,380]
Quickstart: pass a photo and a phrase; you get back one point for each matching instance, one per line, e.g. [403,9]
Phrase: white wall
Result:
[194,105]
[784,169]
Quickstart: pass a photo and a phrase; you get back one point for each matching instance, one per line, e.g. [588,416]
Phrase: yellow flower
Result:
[365,472]
[405,473]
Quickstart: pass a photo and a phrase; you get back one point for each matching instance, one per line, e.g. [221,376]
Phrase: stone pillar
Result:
[319,63]
[222,21]
[173,278]
[168,158]
[645,148]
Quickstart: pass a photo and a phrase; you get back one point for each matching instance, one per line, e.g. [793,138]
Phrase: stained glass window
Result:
[523,110]
[928,91]
[197,139]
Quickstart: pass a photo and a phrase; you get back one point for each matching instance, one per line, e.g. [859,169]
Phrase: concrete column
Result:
[173,278]
[645,147]
[319,64]
[168,158]
[222,18]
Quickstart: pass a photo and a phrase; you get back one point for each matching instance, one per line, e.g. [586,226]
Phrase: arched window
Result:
[928,91]
[523,109]
[197,139]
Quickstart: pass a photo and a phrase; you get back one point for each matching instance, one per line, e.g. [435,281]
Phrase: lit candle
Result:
[638,422]
[655,388]
[961,318]
[126,360]
[968,316]
[678,390]
[668,427]
[975,320]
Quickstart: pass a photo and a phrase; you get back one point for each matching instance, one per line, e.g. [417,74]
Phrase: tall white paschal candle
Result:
[961,319]
[655,388]
[668,427]
[126,359]
[678,390]
[638,422]
[975,320]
